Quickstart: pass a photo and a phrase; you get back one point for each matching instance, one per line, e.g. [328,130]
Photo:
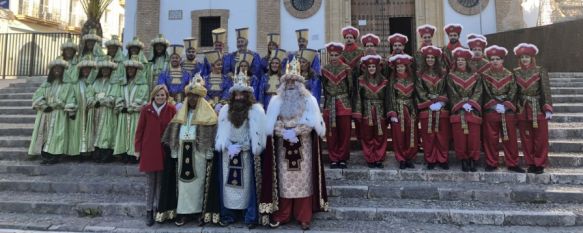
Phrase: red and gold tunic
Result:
[371,94]
[499,88]
[479,64]
[534,90]
[401,101]
[430,87]
[337,90]
[351,55]
[464,87]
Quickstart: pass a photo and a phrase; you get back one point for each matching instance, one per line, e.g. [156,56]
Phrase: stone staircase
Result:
[74,196]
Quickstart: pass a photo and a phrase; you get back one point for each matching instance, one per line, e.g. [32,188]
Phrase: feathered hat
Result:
[69,44]
[133,62]
[135,43]
[106,62]
[160,40]
[86,63]
[92,35]
[58,62]
[113,42]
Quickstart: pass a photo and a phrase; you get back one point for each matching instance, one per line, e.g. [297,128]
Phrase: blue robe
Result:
[223,94]
[263,87]
[229,63]
[173,88]
[200,67]
[314,85]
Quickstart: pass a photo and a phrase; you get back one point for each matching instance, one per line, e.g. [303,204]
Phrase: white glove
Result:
[500,108]
[233,150]
[548,115]
[394,119]
[137,154]
[468,107]
[290,135]
[178,106]
[218,107]
[434,107]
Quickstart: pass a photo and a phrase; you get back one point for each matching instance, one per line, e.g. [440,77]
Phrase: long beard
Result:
[239,111]
[293,103]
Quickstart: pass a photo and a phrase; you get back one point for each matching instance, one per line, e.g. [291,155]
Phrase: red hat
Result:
[398,37]
[401,59]
[525,49]
[473,35]
[431,50]
[454,27]
[496,50]
[334,47]
[371,59]
[426,29]
[370,38]
[477,42]
[462,52]
[350,30]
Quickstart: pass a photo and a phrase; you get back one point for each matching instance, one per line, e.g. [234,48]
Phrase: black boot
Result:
[472,165]
[149,218]
[444,166]
[402,165]
[490,168]
[539,170]
[516,169]
[409,164]
[430,166]
[531,169]
[107,156]
[125,158]
[465,165]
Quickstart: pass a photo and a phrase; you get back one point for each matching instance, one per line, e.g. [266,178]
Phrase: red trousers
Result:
[402,140]
[535,141]
[338,138]
[374,146]
[435,144]
[301,208]
[492,131]
[466,146]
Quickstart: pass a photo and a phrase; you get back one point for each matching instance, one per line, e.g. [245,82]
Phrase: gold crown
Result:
[293,67]
[241,83]
[196,86]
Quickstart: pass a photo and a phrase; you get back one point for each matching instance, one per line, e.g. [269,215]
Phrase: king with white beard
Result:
[295,123]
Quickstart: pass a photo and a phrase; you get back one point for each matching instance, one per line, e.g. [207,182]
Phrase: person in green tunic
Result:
[78,142]
[136,48]
[49,100]
[132,96]
[91,45]
[115,51]
[69,54]
[101,111]
[159,60]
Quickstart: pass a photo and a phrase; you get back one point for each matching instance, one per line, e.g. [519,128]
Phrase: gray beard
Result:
[293,103]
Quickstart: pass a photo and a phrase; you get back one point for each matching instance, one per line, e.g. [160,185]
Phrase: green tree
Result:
[94,9]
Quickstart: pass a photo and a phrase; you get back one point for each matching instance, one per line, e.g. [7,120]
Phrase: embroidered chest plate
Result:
[273,84]
[335,78]
[432,80]
[465,84]
[526,83]
[372,87]
[405,88]
[215,82]
[498,83]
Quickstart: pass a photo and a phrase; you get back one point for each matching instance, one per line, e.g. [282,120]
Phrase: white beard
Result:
[293,100]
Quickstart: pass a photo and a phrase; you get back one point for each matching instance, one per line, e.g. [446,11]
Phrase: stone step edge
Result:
[458,216]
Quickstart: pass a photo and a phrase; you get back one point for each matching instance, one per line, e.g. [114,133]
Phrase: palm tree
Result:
[94,10]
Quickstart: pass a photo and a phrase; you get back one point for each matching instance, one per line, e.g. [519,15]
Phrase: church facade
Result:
[181,19]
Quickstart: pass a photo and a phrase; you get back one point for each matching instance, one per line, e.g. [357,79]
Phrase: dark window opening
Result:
[207,25]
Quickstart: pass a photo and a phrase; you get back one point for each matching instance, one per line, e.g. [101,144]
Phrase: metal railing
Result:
[28,54]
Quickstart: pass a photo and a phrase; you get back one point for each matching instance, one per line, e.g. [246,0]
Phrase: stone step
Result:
[566,90]
[571,75]
[69,168]
[73,204]
[567,84]
[454,191]
[4,96]
[13,153]
[567,117]
[26,84]
[568,107]
[47,222]
[11,90]
[17,119]
[454,212]
[559,160]
[103,184]
[567,99]
[16,129]
[454,174]
[15,102]
[24,110]
[14,141]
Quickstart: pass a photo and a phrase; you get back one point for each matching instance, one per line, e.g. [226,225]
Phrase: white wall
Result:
[242,14]
[471,24]
[316,24]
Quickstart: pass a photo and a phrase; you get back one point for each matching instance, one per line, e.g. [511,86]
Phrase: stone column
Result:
[509,15]
[268,21]
[148,18]
[338,14]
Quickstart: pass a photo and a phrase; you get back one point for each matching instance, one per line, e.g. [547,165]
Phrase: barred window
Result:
[207,25]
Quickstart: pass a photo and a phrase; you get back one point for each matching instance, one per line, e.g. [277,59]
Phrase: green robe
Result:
[79,134]
[104,118]
[159,65]
[133,96]
[50,132]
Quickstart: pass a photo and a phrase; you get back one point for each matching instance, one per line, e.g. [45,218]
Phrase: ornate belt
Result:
[534,109]
[402,105]
[331,105]
[378,106]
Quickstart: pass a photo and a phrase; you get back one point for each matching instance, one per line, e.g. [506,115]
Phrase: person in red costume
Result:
[352,53]
[478,62]
[499,111]
[433,109]
[453,32]
[426,33]
[465,92]
[535,108]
